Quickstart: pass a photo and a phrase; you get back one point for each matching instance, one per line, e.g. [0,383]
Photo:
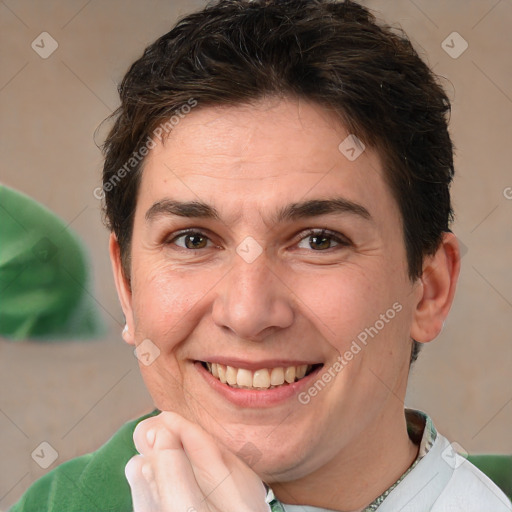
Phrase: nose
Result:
[252,301]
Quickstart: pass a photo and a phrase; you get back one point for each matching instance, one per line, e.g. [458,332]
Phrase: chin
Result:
[272,461]
[277,469]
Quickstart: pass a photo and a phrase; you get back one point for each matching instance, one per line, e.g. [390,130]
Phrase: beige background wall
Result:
[75,395]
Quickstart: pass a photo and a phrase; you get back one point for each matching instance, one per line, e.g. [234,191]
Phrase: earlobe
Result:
[127,335]
[123,289]
[438,284]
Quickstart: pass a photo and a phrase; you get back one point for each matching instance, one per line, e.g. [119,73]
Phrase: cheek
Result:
[163,299]
[342,303]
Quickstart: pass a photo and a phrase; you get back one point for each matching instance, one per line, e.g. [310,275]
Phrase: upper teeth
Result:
[261,379]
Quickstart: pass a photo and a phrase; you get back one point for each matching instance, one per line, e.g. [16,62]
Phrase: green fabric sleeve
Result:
[91,483]
[44,274]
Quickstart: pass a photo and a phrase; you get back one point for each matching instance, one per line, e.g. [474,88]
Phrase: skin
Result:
[292,302]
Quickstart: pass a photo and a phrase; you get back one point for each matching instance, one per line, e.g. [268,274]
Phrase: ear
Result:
[123,289]
[437,289]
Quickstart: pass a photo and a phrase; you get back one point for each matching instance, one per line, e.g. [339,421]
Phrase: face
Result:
[294,258]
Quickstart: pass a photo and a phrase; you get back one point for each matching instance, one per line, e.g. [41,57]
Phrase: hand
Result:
[182,469]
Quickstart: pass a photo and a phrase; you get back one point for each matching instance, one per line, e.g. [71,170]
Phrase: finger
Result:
[164,481]
[221,475]
[176,483]
[169,430]
[166,431]
[156,433]
[142,487]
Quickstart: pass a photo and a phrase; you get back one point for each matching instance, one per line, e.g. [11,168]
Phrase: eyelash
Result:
[341,240]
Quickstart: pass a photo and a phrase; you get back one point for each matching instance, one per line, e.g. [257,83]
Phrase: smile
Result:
[263,378]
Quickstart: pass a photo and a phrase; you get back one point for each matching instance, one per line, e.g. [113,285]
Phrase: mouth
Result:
[261,379]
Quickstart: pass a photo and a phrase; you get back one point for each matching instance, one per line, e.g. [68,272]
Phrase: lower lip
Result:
[254,398]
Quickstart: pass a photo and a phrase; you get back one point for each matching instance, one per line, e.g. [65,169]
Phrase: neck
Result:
[359,473]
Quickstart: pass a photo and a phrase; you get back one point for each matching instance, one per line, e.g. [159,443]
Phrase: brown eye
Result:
[191,240]
[321,240]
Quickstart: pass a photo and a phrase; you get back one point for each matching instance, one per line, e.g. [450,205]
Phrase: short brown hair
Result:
[329,52]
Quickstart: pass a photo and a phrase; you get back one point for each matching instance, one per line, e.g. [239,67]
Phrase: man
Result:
[277,187]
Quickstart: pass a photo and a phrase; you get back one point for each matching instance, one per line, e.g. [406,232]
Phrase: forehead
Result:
[256,156]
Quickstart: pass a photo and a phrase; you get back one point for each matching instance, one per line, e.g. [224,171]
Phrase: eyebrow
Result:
[290,212]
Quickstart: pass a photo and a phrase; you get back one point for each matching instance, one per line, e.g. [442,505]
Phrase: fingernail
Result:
[150,437]
[147,472]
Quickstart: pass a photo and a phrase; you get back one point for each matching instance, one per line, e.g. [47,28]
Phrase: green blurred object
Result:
[498,468]
[44,275]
